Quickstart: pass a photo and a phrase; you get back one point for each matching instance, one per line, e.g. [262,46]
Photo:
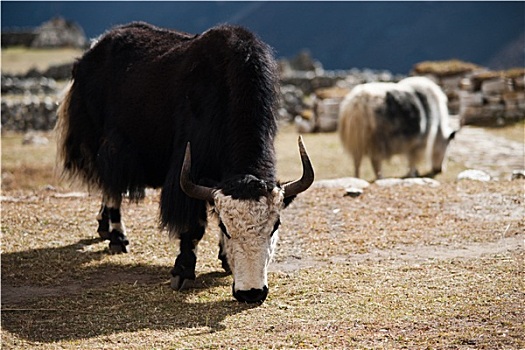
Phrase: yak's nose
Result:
[251,296]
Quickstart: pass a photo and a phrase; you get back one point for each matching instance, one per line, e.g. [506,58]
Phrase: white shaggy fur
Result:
[251,246]
[362,135]
[440,131]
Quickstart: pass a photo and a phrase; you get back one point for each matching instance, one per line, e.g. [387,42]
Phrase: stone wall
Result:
[31,113]
[485,98]
[29,103]
[492,99]
[478,95]
[309,98]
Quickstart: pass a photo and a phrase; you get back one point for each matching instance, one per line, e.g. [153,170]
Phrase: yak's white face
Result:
[248,210]
[439,150]
[249,234]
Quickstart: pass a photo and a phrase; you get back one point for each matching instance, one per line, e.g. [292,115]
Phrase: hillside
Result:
[342,35]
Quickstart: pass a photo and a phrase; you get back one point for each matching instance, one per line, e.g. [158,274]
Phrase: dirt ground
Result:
[419,266]
[400,266]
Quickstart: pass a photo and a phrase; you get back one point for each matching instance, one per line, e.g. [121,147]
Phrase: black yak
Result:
[140,97]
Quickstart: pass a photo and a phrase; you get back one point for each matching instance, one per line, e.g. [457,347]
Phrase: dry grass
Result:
[28,166]
[398,267]
[34,166]
[21,60]
[331,162]
[61,287]
[512,73]
[514,132]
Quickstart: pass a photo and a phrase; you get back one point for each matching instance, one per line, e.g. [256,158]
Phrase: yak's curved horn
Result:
[191,189]
[302,184]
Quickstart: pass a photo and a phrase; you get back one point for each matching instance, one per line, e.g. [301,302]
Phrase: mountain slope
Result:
[342,35]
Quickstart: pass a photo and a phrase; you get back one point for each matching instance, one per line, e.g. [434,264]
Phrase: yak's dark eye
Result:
[276,226]
[223,229]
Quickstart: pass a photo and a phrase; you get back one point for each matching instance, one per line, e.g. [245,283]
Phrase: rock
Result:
[518,175]
[473,174]
[59,32]
[49,188]
[420,181]
[29,114]
[34,139]
[327,114]
[345,182]
[71,195]
[353,192]
[303,126]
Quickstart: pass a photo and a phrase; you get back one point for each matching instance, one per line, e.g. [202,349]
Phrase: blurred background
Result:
[475,51]
[341,35]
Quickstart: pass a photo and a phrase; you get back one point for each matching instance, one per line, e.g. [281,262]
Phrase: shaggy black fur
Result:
[141,93]
[403,114]
[246,187]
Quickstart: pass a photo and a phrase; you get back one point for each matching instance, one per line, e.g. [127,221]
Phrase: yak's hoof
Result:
[118,242]
[182,277]
[179,283]
[118,248]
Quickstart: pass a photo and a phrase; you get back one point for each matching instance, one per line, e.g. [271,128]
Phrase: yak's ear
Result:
[289,199]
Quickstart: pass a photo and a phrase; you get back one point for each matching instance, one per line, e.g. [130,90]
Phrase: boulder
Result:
[473,174]
[58,32]
[418,181]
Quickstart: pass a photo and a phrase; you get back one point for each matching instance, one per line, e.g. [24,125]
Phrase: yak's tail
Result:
[353,127]
[77,140]
[61,128]
[109,164]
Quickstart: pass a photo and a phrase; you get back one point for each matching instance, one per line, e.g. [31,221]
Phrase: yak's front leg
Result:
[110,225]
[103,221]
[183,273]
[414,156]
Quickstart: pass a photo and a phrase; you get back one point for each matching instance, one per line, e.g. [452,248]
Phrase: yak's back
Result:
[382,118]
[141,92]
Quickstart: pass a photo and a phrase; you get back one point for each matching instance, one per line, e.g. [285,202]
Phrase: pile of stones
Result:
[492,98]
[310,95]
[57,32]
[478,95]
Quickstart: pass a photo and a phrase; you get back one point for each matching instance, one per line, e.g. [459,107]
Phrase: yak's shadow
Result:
[55,294]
